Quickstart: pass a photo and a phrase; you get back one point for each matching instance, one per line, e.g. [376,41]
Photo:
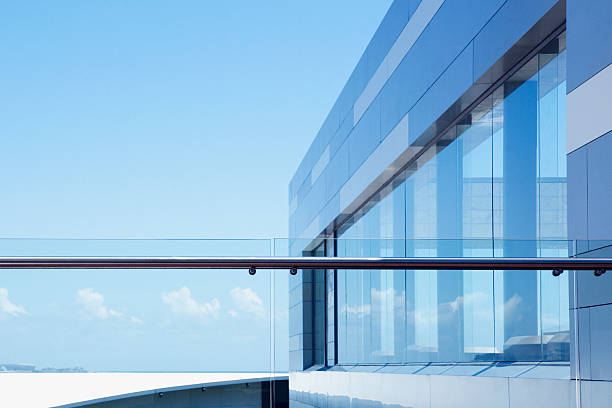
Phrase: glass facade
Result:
[494,184]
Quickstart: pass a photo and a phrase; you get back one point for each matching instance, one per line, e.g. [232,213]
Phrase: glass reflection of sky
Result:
[495,185]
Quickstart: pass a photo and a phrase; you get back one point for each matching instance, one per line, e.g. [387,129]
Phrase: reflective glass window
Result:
[492,185]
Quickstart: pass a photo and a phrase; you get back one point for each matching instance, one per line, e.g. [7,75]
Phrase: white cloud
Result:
[511,304]
[384,301]
[425,318]
[247,300]
[6,306]
[478,300]
[181,302]
[93,304]
[389,297]
[510,309]
[135,320]
[359,311]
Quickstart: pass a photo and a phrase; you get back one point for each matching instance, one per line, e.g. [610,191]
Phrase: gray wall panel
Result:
[473,392]
[600,188]
[594,290]
[595,394]
[436,49]
[588,45]
[357,390]
[584,342]
[338,171]
[577,194]
[365,137]
[394,21]
[435,73]
[600,340]
[536,393]
[506,27]
[447,89]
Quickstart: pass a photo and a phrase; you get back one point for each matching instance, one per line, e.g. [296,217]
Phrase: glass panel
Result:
[373,302]
[318,311]
[375,314]
[153,320]
[493,185]
[552,204]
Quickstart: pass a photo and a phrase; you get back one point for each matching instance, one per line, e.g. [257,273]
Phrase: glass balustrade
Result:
[140,320]
[204,320]
[381,317]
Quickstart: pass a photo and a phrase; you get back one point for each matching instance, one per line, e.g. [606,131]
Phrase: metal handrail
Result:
[557,265]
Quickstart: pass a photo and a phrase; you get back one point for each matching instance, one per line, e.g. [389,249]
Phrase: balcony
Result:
[91,322]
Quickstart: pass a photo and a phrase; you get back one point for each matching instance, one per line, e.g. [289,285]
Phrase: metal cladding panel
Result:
[600,188]
[594,290]
[450,31]
[341,134]
[584,341]
[525,393]
[577,192]
[600,335]
[595,394]
[337,172]
[469,392]
[506,27]
[394,21]
[588,23]
[330,211]
[452,28]
[359,389]
[453,83]
[365,137]
[588,110]
[437,77]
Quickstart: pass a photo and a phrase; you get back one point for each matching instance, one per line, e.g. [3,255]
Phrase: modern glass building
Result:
[468,128]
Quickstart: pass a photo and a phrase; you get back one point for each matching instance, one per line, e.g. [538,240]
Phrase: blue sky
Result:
[157,119]
[166,119]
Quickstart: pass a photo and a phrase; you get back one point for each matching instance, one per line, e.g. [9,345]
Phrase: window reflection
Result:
[494,185]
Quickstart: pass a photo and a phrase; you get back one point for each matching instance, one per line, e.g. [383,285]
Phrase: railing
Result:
[181,305]
[557,265]
[119,305]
